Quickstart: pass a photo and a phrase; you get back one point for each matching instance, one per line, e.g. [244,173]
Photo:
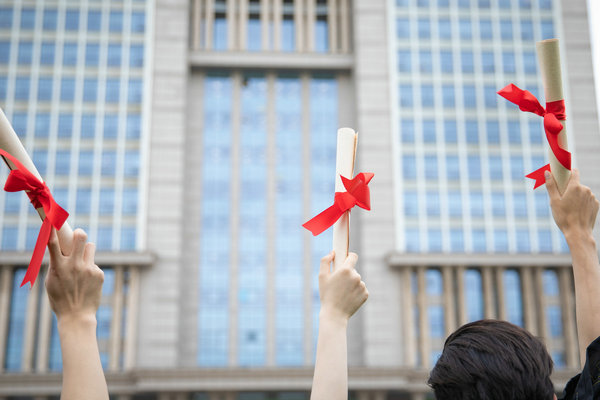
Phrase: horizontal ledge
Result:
[479,260]
[270,60]
[103,258]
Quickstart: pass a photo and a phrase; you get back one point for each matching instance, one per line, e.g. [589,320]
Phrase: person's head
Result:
[492,360]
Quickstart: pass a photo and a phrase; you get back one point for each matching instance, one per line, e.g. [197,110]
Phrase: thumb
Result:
[551,186]
[326,263]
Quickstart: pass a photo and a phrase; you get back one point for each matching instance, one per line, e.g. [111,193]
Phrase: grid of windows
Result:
[463,155]
[78,111]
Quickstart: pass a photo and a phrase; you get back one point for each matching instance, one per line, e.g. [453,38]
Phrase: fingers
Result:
[326,263]
[89,252]
[350,261]
[79,240]
[54,249]
[553,192]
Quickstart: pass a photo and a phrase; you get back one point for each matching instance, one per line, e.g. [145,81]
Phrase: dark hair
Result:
[492,360]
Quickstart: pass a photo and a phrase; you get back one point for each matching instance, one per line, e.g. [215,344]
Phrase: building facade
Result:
[191,139]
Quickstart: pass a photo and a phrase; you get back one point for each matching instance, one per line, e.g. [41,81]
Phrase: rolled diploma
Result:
[344,165]
[9,141]
[549,59]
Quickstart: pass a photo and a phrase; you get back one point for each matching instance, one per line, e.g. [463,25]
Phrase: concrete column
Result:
[115,324]
[30,324]
[529,310]
[488,293]
[460,293]
[131,323]
[210,23]
[332,19]
[500,292]
[449,299]
[567,301]
[408,319]
[44,331]
[425,343]
[5,291]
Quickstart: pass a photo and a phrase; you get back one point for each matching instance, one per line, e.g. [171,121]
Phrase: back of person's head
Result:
[492,360]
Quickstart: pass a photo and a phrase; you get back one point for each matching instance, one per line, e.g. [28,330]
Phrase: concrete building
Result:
[191,139]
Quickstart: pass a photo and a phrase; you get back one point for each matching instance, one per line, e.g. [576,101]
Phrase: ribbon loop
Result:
[357,193]
[553,114]
[39,195]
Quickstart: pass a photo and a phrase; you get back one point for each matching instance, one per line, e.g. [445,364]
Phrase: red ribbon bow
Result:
[553,114]
[19,179]
[357,194]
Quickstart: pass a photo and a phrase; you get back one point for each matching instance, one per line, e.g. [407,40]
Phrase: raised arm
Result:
[575,214]
[74,285]
[342,293]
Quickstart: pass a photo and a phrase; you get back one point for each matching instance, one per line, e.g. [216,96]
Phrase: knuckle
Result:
[79,234]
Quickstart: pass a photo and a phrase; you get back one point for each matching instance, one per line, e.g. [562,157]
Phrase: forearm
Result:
[330,381]
[83,377]
[586,273]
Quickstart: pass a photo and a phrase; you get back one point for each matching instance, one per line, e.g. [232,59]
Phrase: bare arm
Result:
[342,293]
[74,285]
[575,214]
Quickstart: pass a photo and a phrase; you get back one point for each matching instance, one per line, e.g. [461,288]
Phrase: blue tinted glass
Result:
[514,132]
[436,321]
[411,203]
[542,207]
[9,239]
[47,53]
[65,125]
[111,125]
[545,4]
[506,31]
[550,283]
[444,28]
[473,294]
[135,91]
[90,89]
[19,123]
[136,56]
[84,197]
[520,204]
[115,21]
[517,168]
[3,83]
[536,132]
[25,50]
[109,160]
[479,241]
[476,200]
[464,3]
[16,324]
[431,167]
[525,3]
[529,62]
[452,168]
[42,124]
[55,356]
[504,4]
[500,240]
[70,53]
[67,89]
[88,125]
[49,19]
[72,20]
[424,28]
[106,202]
[92,55]
[425,62]
[402,28]
[427,95]
[429,135]
[4,52]
[130,201]
[113,58]
[27,18]
[104,238]
[434,285]
[498,207]
[112,90]
[512,297]
[526,30]
[490,96]
[485,28]
[495,166]
[448,95]
[63,162]
[288,34]
[487,61]
[94,20]
[508,62]
[484,3]
[45,89]
[132,163]
[450,130]
[6,17]
[472,131]
[407,129]
[469,96]
[412,240]
[253,38]
[433,203]
[474,165]
[466,58]
[40,159]
[86,162]
[405,95]
[133,126]
[522,238]
[321,34]
[554,318]
[138,22]
[447,61]
[464,26]
[493,132]
[409,166]
[423,3]
[434,237]
[454,204]
[22,88]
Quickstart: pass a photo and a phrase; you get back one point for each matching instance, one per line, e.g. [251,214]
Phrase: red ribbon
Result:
[553,114]
[19,179]
[357,194]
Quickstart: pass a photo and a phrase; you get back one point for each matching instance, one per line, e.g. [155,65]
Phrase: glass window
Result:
[450,131]
[536,132]
[506,30]
[444,28]
[27,18]
[464,26]
[487,61]
[485,28]
[3,84]
[106,201]
[530,62]
[407,129]
[288,34]
[424,28]
[493,131]
[115,21]
[406,95]
[112,90]
[128,238]
[12,202]
[425,62]
[409,166]
[427,95]
[22,88]
[484,3]
[452,167]
[500,240]
[402,28]
[542,207]
[412,240]
[474,165]
[45,89]
[111,125]
[504,4]
[19,123]
[133,126]
[84,197]
[473,294]
[508,62]
[520,204]
[67,89]
[42,124]
[545,4]
[526,30]
[464,3]
[411,203]
[94,21]
[514,132]
[9,242]
[92,54]
[253,37]
[404,61]
[72,20]
[114,55]
[454,204]
[90,89]
[469,96]
[429,134]
[25,53]
[522,238]
[472,131]
[18,306]
[498,207]
[447,61]
[434,236]
[220,32]
[457,240]
[40,160]
[132,163]
[86,162]
[134,95]
[63,162]
[136,56]
[4,52]
[6,17]
[433,203]
[443,3]
[431,167]
[70,54]
[479,241]
[130,201]
[490,96]
[321,34]
[525,3]
[65,125]
[467,64]
[49,23]
[495,165]
[516,167]
[512,297]
[46,53]
[436,321]
[423,3]
[88,125]
[138,22]
[448,95]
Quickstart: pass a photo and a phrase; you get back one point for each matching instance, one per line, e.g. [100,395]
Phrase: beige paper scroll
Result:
[9,141]
[344,165]
[549,59]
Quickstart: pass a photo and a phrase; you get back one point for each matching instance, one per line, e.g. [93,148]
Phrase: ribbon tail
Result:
[38,253]
[538,176]
[324,220]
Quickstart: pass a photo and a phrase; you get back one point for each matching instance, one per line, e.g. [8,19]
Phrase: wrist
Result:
[76,321]
[579,238]
[329,314]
